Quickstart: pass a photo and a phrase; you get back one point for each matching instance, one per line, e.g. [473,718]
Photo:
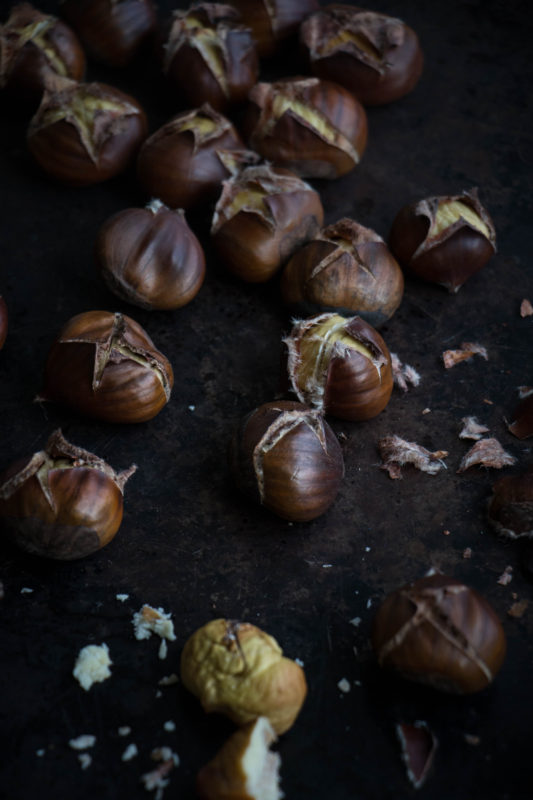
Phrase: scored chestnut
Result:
[346,268]
[376,57]
[440,632]
[339,366]
[3,321]
[106,366]
[63,502]
[444,239]
[286,457]
[510,510]
[263,215]
[273,21]
[313,127]
[150,257]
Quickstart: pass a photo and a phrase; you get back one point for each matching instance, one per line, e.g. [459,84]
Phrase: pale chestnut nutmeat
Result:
[339,366]
[445,239]
[273,21]
[262,216]
[3,321]
[239,670]
[63,502]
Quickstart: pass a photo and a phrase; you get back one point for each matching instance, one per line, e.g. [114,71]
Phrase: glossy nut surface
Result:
[272,21]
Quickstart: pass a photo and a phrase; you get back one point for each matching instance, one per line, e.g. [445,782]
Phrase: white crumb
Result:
[356,621]
[85,760]
[125,730]
[153,620]
[82,742]
[169,680]
[122,597]
[169,725]
[344,685]
[92,665]
[130,752]
[26,590]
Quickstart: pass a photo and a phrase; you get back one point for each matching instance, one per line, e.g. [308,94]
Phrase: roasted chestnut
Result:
[3,321]
[522,424]
[286,457]
[339,366]
[314,127]
[150,257]
[272,21]
[63,502]
[84,133]
[376,57]
[439,632]
[211,57]
[106,366]
[444,239]
[510,509]
[347,268]
[34,46]
[264,213]
[111,30]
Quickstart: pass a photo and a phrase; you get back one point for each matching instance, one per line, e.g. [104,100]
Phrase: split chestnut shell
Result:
[273,21]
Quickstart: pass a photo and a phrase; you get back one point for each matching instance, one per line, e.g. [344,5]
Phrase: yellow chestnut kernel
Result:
[450,212]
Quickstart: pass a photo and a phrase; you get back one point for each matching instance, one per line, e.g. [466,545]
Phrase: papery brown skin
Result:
[297,145]
[273,21]
[120,389]
[255,243]
[83,510]
[150,257]
[113,31]
[522,425]
[3,321]
[60,149]
[323,276]
[448,636]
[389,69]
[510,510]
[301,473]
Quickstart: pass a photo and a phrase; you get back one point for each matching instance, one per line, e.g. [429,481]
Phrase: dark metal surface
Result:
[190,544]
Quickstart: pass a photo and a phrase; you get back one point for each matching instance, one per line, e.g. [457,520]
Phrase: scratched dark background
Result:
[191,544]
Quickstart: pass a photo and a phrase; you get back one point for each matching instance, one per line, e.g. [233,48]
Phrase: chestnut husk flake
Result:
[63,502]
[263,215]
[106,366]
[286,457]
[510,510]
[439,632]
[272,21]
[347,268]
[3,321]
[150,257]
[376,57]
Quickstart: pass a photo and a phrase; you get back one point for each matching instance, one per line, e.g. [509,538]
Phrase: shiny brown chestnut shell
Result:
[210,57]
[439,632]
[339,366]
[315,128]
[85,133]
[376,57]
[286,457]
[522,424]
[112,30]
[150,257]
[263,215]
[105,366]
[346,268]
[3,321]
[444,239]
[273,21]
[63,502]
[510,510]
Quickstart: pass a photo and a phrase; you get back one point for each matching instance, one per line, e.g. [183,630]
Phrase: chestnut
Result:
[34,46]
[106,366]
[273,21]
[314,127]
[522,424]
[263,215]
[62,502]
[444,239]
[510,510]
[346,268]
[112,30]
[339,366]
[285,456]
[210,57]
[85,133]
[150,257]
[439,632]
[376,57]
[3,321]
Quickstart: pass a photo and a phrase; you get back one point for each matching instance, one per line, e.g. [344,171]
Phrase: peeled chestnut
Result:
[347,268]
[510,509]
[313,127]
[440,632]
[184,162]
[272,21]
[264,213]
[286,457]
[522,423]
[339,366]
[63,502]
[84,133]
[106,366]
[376,57]
[150,257]
[444,239]
[211,57]
[3,321]
[111,30]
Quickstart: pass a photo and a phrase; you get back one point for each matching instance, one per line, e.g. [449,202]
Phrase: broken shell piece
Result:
[522,426]
[510,509]
[463,353]
[418,750]
[244,768]
[518,609]
[472,429]
[526,309]
[396,453]
[403,374]
[506,577]
[486,453]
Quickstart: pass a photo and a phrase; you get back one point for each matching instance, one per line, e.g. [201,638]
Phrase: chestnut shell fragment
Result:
[510,510]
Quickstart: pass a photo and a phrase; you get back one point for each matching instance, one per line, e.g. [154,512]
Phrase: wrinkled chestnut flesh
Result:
[63,502]
[510,509]
[439,632]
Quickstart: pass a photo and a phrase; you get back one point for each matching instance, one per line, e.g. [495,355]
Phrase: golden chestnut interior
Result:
[344,36]
[200,123]
[282,103]
[36,33]
[450,211]
[208,43]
